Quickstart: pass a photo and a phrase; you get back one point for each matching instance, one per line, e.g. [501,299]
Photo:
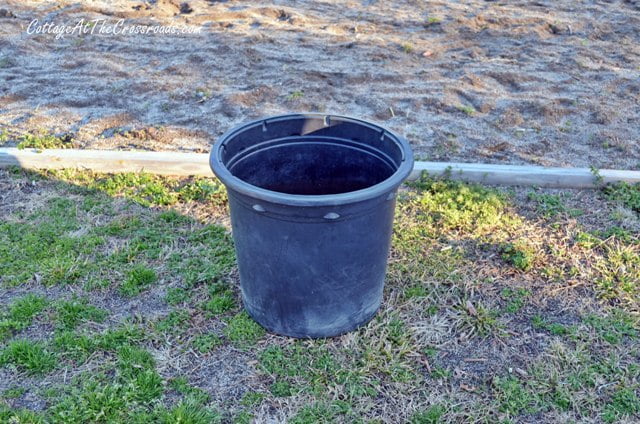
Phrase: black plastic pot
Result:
[312,200]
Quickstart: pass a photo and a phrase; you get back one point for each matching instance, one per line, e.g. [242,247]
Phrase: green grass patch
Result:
[431,415]
[623,404]
[78,346]
[43,140]
[557,329]
[625,194]
[20,314]
[515,299]
[222,300]
[149,189]
[45,247]
[29,356]
[551,205]
[243,331]
[618,273]
[512,397]
[615,327]
[138,279]
[519,255]
[205,343]
[176,321]
[71,313]
[467,110]
[447,208]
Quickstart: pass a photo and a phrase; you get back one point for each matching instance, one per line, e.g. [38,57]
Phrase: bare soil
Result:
[545,82]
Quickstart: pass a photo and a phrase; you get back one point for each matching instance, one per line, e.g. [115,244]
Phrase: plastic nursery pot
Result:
[312,200]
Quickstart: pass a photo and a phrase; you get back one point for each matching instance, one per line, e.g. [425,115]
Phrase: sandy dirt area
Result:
[551,82]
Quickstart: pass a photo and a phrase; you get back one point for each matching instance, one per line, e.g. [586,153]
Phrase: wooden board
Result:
[164,163]
[175,163]
[526,175]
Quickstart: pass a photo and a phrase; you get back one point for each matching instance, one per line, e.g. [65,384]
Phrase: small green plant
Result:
[145,189]
[615,326]
[431,415]
[13,392]
[21,313]
[407,48]
[479,319]
[625,194]
[282,389]
[72,312]
[517,254]
[174,322]
[468,110]
[433,20]
[321,412]
[28,356]
[190,412]
[250,399]
[598,178]
[4,136]
[206,342]
[242,331]
[295,95]
[138,279]
[416,291]
[587,240]
[202,189]
[45,141]
[243,417]
[177,295]
[515,298]
[20,416]
[195,395]
[623,404]
[222,300]
[512,396]
[557,329]
[549,205]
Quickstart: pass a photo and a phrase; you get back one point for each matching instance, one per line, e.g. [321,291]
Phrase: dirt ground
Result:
[546,82]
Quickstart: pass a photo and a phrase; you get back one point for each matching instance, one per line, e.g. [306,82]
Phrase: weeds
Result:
[31,357]
[625,194]
[45,141]
[467,110]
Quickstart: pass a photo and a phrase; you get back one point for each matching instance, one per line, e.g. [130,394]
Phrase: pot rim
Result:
[382,188]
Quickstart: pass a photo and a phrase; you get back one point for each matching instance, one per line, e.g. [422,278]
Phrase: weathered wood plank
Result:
[175,163]
[165,163]
[525,175]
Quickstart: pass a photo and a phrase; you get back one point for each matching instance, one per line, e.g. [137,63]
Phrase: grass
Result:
[71,313]
[242,331]
[121,304]
[551,205]
[519,255]
[626,194]
[222,300]
[45,141]
[4,134]
[20,313]
[28,356]
[205,343]
[295,95]
[433,20]
[137,280]
[467,110]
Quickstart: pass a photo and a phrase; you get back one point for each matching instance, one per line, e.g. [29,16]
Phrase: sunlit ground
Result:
[120,303]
